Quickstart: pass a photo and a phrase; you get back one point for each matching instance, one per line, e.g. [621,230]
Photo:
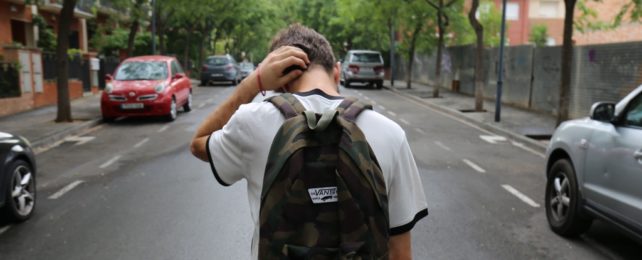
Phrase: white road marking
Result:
[382,107]
[520,195]
[420,131]
[80,140]
[163,128]
[66,189]
[473,165]
[366,97]
[404,121]
[392,113]
[446,114]
[139,144]
[110,162]
[201,105]
[443,146]
[493,139]
[119,118]
[4,229]
[209,100]
[359,93]
[521,145]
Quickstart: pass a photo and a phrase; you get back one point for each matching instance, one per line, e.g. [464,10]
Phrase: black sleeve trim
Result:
[209,158]
[407,227]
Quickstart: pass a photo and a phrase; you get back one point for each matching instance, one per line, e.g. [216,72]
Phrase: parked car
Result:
[594,169]
[147,86]
[17,177]
[362,66]
[246,69]
[220,68]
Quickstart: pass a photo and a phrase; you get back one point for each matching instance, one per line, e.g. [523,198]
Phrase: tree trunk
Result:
[133,28]
[391,31]
[440,43]
[411,53]
[567,59]
[479,32]
[64,27]
[188,43]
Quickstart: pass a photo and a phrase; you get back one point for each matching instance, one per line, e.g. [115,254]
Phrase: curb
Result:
[527,142]
[52,139]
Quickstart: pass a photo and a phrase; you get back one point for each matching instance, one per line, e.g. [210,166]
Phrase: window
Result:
[634,113]
[512,11]
[549,9]
[176,68]
[142,71]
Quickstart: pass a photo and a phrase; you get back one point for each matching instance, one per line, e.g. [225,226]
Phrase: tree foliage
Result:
[539,35]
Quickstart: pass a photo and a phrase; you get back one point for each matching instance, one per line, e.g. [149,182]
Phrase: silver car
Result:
[594,169]
[362,66]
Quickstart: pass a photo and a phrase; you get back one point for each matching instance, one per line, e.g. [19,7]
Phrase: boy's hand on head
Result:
[273,66]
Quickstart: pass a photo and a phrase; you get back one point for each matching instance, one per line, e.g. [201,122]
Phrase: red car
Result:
[146,86]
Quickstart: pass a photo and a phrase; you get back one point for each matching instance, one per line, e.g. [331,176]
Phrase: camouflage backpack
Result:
[324,196]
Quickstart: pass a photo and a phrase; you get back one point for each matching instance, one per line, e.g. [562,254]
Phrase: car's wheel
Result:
[172,110]
[108,119]
[347,85]
[379,84]
[188,104]
[21,193]
[563,201]
[204,82]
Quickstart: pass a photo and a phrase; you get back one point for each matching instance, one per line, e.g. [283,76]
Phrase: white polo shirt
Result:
[240,151]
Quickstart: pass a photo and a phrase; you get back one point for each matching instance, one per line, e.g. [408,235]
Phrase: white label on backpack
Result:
[323,195]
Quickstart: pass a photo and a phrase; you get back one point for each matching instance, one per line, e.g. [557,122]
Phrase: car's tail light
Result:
[354,69]
[378,69]
[204,68]
[229,67]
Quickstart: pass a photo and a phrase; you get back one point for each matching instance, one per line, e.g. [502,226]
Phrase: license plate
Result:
[132,106]
[217,75]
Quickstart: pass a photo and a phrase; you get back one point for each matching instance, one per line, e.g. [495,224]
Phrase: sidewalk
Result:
[531,128]
[38,125]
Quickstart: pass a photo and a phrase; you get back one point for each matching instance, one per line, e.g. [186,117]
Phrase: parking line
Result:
[163,128]
[4,229]
[520,196]
[110,162]
[404,121]
[392,113]
[443,146]
[139,144]
[201,105]
[420,131]
[66,189]
[474,166]
[382,107]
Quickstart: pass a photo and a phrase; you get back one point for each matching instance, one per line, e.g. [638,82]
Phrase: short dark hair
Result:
[315,45]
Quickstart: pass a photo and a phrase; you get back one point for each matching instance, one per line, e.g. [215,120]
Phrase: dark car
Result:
[246,69]
[220,68]
[17,177]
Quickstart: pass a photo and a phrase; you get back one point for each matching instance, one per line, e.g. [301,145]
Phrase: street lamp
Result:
[500,72]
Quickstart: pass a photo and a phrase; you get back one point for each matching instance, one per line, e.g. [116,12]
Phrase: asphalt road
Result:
[132,190]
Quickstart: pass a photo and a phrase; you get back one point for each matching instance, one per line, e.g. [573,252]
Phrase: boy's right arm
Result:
[271,74]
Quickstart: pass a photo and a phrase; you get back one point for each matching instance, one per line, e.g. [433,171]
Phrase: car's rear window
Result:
[217,61]
[366,57]
[144,70]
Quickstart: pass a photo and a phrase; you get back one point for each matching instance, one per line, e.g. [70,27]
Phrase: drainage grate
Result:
[472,111]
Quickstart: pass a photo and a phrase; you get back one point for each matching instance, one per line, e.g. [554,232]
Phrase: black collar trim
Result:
[319,92]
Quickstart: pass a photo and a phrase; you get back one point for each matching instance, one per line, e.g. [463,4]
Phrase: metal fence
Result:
[79,68]
[9,80]
[532,74]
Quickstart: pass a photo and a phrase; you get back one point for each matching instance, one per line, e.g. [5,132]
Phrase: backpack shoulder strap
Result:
[287,104]
[351,107]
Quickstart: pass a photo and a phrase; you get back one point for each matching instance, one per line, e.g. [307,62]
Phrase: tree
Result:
[539,35]
[418,32]
[442,23]
[137,13]
[479,53]
[64,24]
[633,9]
